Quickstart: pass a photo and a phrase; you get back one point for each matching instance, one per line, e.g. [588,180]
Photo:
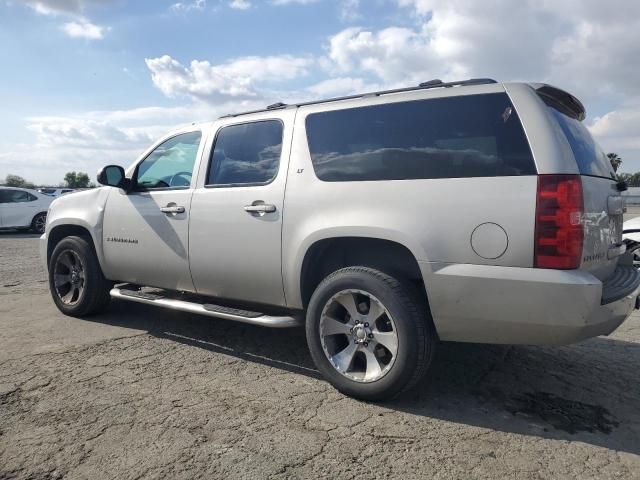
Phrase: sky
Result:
[85,83]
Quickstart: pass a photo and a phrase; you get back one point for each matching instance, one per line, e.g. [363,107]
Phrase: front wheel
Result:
[369,334]
[77,284]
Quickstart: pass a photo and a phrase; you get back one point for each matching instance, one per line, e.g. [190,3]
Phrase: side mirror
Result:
[113,176]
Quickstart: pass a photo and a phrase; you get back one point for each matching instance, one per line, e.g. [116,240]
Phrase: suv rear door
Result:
[236,212]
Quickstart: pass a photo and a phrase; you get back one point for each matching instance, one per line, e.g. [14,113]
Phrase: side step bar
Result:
[210,310]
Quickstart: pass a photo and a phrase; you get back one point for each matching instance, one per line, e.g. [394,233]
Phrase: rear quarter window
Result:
[463,136]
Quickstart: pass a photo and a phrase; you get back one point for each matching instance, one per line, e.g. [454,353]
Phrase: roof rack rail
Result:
[435,83]
[276,106]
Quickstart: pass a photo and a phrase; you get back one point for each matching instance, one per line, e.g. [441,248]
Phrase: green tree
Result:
[17,181]
[76,180]
[615,160]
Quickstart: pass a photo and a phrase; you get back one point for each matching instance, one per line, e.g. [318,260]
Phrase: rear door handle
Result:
[173,209]
[260,208]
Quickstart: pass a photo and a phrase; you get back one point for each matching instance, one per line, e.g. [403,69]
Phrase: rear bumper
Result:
[490,304]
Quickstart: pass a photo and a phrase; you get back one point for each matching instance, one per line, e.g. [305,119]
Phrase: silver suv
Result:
[470,211]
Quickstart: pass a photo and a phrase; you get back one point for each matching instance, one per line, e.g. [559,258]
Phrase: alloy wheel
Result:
[40,223]
[358,335]
[68,277]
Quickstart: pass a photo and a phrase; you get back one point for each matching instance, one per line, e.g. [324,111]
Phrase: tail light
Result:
[559,232]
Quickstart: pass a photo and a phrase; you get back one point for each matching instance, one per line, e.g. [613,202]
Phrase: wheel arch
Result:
[329,254]
[64,230]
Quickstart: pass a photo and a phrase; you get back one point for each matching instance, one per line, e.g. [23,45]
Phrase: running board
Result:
[210,310]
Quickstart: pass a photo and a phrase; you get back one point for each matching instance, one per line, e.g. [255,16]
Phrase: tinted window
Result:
[246,154]
[170,165]
[589,156]
[467,136]
[16,196]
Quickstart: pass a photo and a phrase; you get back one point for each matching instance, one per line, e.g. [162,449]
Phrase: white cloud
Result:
[617,131]
[340,86]
[189,6]
[349,10]
[235,79]
[586,46]
[393,54]
[80,26]
[83,29]
[65,7]
[240,4]
[90,140]
[289,2]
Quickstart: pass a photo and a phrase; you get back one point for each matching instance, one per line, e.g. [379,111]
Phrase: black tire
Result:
[413,325]
[39,222]
[94,297]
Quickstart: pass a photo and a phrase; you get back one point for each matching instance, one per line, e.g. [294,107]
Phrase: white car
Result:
[23,209]
[55,192]
[631,236]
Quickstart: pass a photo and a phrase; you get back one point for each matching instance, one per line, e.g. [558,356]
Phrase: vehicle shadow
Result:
[587,392]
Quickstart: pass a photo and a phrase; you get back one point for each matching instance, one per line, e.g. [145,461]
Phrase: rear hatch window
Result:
[589,156]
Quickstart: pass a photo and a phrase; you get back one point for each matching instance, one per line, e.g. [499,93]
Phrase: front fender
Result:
[82,209]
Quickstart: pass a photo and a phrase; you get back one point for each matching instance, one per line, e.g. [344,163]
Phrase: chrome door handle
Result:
[260,208]
[172,209]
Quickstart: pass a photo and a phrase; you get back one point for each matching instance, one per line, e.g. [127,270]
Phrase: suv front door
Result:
[145,234]
[236,212]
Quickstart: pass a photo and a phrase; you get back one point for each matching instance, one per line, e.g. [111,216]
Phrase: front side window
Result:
[16,196]
[170,165]
[246,154]
[460,136]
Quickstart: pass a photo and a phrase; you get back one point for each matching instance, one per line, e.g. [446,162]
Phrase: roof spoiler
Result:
[561,100]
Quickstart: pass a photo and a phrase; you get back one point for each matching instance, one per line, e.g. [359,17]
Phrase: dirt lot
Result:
[145,393]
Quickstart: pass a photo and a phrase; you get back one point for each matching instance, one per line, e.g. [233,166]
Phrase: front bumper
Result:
[512,305]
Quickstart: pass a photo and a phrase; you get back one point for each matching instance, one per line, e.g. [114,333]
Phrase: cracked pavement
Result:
[141,392]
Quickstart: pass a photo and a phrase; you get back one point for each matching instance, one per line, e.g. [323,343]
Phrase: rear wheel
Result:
[39,223]
[77,284]
[369,334]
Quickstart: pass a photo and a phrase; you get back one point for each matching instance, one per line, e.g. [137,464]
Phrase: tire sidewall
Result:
[402,370]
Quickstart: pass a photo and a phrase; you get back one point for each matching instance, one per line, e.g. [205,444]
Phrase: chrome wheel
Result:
[40,223]
[68,277]
[358,335]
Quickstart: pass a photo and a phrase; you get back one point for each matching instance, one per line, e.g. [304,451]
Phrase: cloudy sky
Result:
[84,83]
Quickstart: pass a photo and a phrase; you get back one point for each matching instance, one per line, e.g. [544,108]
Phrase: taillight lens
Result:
[559,231]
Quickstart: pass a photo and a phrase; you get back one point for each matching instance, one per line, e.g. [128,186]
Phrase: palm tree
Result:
[615,160]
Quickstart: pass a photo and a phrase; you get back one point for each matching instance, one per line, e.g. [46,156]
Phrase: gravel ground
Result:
[144,393]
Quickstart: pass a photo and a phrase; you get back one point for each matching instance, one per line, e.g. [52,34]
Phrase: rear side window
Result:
[246,154]
[16,196]
[466,136]
[589,156]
